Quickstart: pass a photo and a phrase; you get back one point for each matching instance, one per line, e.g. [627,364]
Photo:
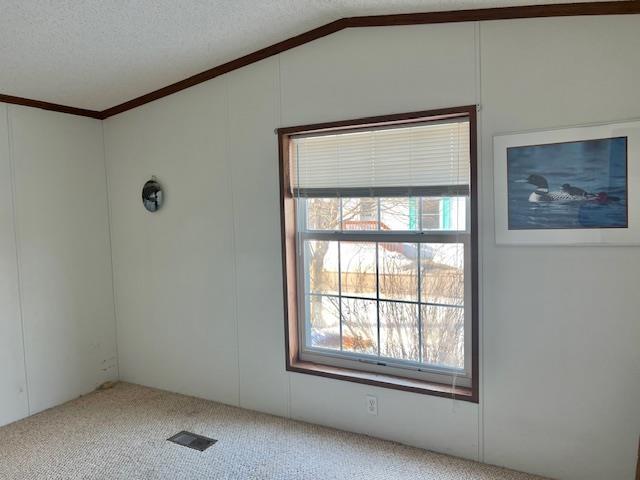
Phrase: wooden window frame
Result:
[290,269]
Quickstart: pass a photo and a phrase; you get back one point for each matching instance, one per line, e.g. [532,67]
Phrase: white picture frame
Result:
[509,232]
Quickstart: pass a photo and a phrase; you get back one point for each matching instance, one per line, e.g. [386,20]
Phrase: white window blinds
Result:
[418,159]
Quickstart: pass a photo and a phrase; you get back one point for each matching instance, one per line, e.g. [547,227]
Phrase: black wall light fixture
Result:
[152,195]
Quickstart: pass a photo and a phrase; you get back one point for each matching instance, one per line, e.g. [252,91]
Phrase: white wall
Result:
[253,114]
[561,324]
[56,284]
[175,270]
[199,285]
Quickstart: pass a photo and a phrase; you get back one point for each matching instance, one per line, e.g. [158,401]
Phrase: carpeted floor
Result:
[121,434]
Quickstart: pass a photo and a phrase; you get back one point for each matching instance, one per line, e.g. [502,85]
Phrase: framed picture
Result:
[572,186]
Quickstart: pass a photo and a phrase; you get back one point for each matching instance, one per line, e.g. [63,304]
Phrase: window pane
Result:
[399,213]
[443,336]
[359,325]
[321,267]
[399,331]
[398,265]
[431,214]
[444,213]
[324,321]
[358,268]
[360,213]
[323,213]
[456,218]
[442,273]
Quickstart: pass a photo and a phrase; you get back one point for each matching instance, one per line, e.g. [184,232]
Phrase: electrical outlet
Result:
[372,405]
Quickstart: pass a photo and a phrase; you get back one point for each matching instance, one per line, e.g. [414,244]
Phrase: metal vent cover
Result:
[192,440]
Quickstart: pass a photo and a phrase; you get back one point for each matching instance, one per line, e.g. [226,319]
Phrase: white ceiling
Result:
[98,53]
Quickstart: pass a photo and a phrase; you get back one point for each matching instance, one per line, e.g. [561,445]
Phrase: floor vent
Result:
[191,440]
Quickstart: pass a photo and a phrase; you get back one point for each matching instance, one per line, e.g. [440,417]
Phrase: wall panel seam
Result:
[16,239]
[110,245]
[288,375]
[481,245]
[234,226]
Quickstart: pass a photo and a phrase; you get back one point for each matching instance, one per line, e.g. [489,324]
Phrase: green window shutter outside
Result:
[413,213]
[446,213]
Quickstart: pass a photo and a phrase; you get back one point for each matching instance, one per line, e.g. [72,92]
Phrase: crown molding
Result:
[625,7]
[27,102]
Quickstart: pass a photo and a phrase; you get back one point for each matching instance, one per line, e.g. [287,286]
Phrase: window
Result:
[379,239]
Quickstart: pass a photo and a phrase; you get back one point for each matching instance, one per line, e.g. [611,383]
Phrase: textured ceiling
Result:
[95,54]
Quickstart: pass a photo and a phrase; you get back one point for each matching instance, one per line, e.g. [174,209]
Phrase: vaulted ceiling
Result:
[95,54]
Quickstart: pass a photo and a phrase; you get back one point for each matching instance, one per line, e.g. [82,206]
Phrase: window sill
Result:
[384,381]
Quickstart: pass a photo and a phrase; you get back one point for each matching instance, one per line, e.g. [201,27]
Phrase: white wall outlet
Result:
[372,405]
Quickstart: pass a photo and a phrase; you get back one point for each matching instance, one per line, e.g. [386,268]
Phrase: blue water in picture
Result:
[570,185]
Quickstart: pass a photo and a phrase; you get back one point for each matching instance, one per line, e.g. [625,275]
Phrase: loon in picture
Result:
[567,193]
[575,191]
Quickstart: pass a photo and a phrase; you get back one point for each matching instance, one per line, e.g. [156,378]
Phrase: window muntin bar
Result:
[366,331]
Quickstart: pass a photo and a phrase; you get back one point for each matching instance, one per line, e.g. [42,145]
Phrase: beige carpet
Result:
[121,434]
